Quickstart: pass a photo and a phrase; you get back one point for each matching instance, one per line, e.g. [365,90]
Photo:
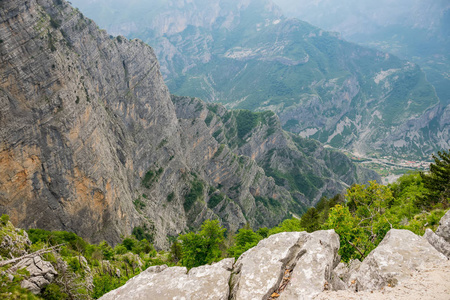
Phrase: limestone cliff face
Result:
[91,141]
[70,96]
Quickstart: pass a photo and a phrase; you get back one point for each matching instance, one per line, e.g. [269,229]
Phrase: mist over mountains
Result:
[415,30]
[247,54]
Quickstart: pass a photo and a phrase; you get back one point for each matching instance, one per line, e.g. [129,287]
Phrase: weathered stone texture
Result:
[444,227]
[41,273]
[399,254]
[258,272]
[205,282]
[312,272]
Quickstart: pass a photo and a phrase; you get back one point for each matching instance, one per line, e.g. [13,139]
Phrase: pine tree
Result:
[437,181]
[310,220]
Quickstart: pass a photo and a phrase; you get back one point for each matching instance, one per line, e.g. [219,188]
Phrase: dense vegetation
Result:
[361,218]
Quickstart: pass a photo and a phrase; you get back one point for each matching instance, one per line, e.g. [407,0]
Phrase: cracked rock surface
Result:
[301,265]
[161,282]
[41,272]
[399,254]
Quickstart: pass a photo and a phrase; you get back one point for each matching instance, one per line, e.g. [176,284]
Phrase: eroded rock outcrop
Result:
[161,282]
[444,227]
[441,239]
[259,271]
[41,273]
[399,254]
[312,272]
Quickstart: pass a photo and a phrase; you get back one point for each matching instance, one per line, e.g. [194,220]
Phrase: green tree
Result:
[287,225]
[364,221]
[437,182]
[310,220]
[107,250]
[203,247]
[345,225]
[175,252]
[129,243]
[245,239]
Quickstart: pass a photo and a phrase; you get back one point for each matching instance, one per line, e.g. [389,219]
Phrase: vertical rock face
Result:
[303,166]
[69,94]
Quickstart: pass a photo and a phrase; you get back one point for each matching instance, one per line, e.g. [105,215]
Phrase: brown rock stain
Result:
[197,142]
[260,149]
[211,152]
[204,114]
[88,194]
[219,177]
[16,172]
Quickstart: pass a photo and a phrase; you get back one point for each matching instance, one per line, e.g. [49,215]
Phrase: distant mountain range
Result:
[416,30]
[246,54]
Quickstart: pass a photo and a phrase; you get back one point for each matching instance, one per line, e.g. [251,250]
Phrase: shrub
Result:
[170,197]
[4,219]
[195,194]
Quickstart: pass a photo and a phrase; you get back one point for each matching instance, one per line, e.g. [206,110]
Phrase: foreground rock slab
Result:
[259,271]
[289,265]
[428,282]
[438,242]
[444,227]
[163,283]
[399,254]
[312,272]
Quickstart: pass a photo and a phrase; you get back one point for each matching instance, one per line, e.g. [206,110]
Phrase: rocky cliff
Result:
[91,141]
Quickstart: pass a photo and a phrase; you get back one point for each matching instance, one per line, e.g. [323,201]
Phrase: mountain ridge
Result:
[322,87]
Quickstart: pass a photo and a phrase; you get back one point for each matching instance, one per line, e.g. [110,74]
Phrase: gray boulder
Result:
[163,283]
[259,271]
[444,227]
[438,242]
[347,274]
[289,265]
[399,254]
[41,272]
[312,272]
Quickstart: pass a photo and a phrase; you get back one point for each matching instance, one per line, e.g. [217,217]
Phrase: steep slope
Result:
[303,166]
[91,142]
[245,54]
